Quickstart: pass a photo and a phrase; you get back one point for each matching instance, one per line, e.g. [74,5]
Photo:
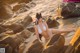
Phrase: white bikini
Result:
[39,29]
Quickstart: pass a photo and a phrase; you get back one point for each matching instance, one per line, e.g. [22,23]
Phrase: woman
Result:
[42,30]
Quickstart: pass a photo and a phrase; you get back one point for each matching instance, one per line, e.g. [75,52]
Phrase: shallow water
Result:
[70,23]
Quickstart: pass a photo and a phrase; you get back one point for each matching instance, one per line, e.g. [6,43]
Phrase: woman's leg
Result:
[46,38]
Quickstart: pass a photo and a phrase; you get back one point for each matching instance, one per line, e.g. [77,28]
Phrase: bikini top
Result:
[39,29]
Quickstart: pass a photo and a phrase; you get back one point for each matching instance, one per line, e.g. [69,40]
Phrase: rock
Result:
[22,47]
[36,47]
[14,1]
[52,23]
[19,8]
[2,29]
[71,48]
[70,10]
[9,41]
[6,8]
[56,38]
[16,27]
[5,12]
[24,1]
[78,50]
[27,20]
[51,49]
[31,29]
[14,41]
[71,1]
[55,45]
[8,49]
[26,33]
[3,35]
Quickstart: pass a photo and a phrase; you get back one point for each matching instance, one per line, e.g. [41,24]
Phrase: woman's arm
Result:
[36,32]
[66,30]
[56,31]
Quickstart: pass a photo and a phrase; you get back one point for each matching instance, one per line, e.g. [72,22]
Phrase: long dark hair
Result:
[38,15]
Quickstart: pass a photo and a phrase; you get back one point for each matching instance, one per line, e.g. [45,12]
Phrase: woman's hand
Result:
[38,38]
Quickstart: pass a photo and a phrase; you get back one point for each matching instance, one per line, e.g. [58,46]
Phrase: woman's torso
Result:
[42,29]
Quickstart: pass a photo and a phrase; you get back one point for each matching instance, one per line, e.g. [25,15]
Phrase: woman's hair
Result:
[38,15]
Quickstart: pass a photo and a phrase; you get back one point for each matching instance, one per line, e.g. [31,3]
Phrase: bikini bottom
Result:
[40,36]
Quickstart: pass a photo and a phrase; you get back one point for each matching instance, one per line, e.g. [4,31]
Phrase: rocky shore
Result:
[16,27]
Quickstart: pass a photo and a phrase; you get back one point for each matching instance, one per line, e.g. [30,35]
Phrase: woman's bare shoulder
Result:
[35,26]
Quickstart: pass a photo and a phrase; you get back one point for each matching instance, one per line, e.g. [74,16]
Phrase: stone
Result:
[20,8]
[36,47]
[55,44]
[70,11]
[14,1]
[22,48]
[27,20]
[8,49]
[31,29]
[16,27]
[14,41]
[26,33]
[52,23]
[3,12]
[2,29]
[6,11]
